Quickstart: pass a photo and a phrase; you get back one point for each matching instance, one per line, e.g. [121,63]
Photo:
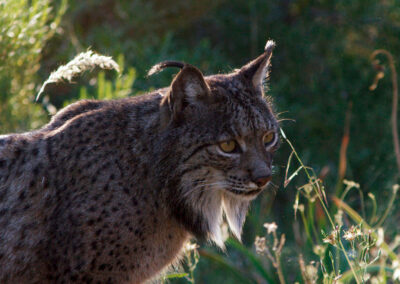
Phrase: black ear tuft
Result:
[257,70]
[160,66]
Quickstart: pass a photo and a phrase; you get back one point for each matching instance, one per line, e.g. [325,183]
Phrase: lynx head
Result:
[224,133]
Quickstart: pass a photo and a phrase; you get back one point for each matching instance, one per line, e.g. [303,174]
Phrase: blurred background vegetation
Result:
[320,67]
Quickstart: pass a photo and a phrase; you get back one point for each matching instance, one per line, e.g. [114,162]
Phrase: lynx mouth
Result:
[245,192]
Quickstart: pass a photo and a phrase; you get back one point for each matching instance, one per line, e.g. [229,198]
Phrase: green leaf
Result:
[176,275]
[236,272]
[252,258]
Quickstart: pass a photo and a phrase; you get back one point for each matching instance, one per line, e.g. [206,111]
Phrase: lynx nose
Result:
[261,181]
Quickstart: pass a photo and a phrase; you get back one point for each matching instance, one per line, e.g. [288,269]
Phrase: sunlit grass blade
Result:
[348,275]
[374,218]
[390,205]
[343,148]
[176,275]
[287,180]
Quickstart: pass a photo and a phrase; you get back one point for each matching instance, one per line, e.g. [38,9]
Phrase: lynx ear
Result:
[257,70]
[188,87]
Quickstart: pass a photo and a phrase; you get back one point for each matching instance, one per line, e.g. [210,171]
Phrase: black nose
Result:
[261,181]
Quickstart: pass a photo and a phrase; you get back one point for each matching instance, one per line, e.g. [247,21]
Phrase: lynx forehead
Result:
[109,191]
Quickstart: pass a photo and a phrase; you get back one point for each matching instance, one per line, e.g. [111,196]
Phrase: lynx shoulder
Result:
[110,191]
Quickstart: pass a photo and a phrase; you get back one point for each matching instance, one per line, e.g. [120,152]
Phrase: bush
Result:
[25,28]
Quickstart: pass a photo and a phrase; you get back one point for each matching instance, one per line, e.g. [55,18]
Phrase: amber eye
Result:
[269,138]
[228,146]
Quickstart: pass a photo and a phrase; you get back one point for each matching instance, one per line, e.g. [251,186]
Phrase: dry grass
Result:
[85,61]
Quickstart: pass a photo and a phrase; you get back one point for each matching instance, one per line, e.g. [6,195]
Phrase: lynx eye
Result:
[229,146]
[268,138]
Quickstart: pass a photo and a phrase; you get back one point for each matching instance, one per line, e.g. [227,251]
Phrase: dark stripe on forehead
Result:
[232,131]
[263,117]
[194,152]
[249,116]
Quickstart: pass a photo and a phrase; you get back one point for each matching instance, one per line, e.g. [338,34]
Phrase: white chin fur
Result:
[209,206]
[213,215]
[235,211]
[216,203]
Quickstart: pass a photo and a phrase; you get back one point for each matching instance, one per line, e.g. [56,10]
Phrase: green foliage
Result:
[25,27]
[320,66]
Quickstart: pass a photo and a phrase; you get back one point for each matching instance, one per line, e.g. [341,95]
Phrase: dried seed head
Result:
[260,244]
[351,183]
[85,61]
[352,233]
[271,227]
[332,237]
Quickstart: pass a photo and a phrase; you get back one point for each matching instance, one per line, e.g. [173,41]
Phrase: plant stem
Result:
[321,202]
[394,101]
[279,268]
[357,218]
[303,217]
[388,208]
[343,149]
[348,260]
[347,276]
[309,178]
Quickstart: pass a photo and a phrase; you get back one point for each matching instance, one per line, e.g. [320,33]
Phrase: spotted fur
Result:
[109,191]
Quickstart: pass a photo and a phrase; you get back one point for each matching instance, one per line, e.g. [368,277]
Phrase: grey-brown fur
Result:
[109,191]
